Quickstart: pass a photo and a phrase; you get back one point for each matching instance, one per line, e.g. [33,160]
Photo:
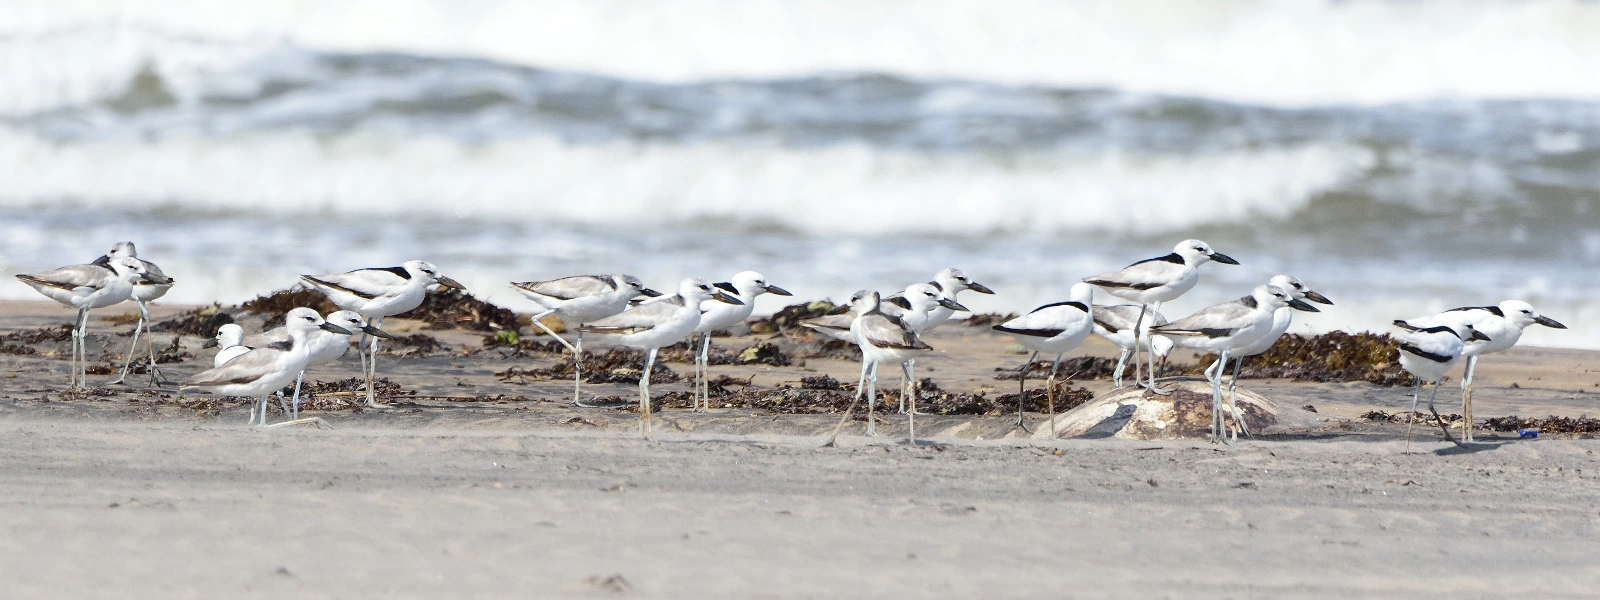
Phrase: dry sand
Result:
[121,497]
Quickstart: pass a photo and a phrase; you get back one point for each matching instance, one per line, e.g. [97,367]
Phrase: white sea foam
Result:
[1295,52]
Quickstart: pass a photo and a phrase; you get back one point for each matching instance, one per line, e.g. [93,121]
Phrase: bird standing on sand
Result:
[1503,325]
[1115,322]
[1430,347]
[1058,328]
[578,300]
[322,346]
[1221,328]
[258,372]
[87,287]
[652,325]
[1157,280]
[144,292]
[882,338]
[950,282]
[1281,319]
[914,306]
[716,314]
[378,293]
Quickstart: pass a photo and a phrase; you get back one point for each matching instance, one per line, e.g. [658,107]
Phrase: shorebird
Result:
[144,292]
[1281,319]
[950,282]
[1156,280]
[1503,325]
[882,338]
[229,343]
[914,306]
[578,300]
[1221,328]
[322,346]
[87,287]
[653,325]
[258,372]
[1430,347]
[378,293]
[715,314]
[1058,328]
[1115,322]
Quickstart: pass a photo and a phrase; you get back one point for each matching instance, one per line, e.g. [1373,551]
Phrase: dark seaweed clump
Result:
[1081,367]
[1545,425]
[615,366]
[416,345]
[455,309]
[1329,357]
[341,394]
[1378,416]
[988,319]
[200,322]
[790,317]
[39,336]
[277,304]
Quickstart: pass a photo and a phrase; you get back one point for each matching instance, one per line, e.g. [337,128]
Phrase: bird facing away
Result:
[1053,328]
[578,300]
[716,314]
[653,325]
[87,287]
[377,293]
[1429,347]
[1156,280]
[144,292]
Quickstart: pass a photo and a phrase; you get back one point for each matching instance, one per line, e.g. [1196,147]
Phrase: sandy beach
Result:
[517,493]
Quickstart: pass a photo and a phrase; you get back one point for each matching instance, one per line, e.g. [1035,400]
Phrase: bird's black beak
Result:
[649,293]
[449,283]
[1223,258]
[157,279]
[326,326]
[953,305]
[370,330]
[210,343]
[1548,322]
[1299,304]
[1478,335]
[1318,298]
[778,291]
[979,288]
[723,296]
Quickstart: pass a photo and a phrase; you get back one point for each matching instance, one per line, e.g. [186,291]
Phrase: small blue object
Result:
[1528,433]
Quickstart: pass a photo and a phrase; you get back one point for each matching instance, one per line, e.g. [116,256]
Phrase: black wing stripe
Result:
[1438,358]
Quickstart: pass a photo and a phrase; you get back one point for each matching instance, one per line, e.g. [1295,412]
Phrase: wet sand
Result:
[127,496]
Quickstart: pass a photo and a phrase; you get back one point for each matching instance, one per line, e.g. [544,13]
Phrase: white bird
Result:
[144,292]
[715,314]
[1503,325]
[377,293]
[1281,319]
[882,338]
[1058,328]
[258,372]
[949,283]
[1157,280]
[322,346]
[229,343]
[1115,322]
[653,325]
[1430,347]
[578,300]
[1221,328]
[87,287]
[914,306]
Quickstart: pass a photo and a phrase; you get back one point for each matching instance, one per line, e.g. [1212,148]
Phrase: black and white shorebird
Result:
[656,324]
[716,314]
[1429,347]
[1503,325]
[949,283]
[1220,329]
[914,306]
[1115,323]
[578,300]
[144,292]
[377,293]
[1058,327]
[1156,280]
[1281,319]
[87,287]
[258,372]
[882,338]
[322,346]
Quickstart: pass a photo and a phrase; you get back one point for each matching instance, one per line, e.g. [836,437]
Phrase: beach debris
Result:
[618,365]
[1330,357]
[988,319]
[1550,424]
[789,317]
[416,345]
[1131,413]
[275,305]
[1081,367]
[199,322]
[821,382]
[457,309]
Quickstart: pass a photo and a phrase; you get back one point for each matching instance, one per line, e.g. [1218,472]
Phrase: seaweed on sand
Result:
[789,317]
[199,322]
[456,309]
[275,305]
[617,365]
[1584,424]
[1329,357]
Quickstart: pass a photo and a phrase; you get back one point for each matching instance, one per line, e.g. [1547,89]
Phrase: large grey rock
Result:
[1134,413]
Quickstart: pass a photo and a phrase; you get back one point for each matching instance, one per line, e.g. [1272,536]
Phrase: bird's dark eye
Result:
[1527,312]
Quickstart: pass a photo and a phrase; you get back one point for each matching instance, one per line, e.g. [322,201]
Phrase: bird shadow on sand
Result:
[1473,447]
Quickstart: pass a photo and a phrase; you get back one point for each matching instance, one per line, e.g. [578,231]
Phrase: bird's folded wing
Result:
[568,288]
[244,368]
[1140,276]
[636,318]
[1047,321]
[368,287]
[1117,317]
[72,277]
[884,331]
[830,323]
[1210,321]
[266,338]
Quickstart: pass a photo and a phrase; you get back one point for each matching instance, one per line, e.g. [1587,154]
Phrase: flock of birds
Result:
[887,329]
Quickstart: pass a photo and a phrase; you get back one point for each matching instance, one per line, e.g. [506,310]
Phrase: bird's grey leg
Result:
[1050,394]
[577,367]
[1122,363]
[77,348]
[156,378]
[372,375]
[83,351]
[1022,390]
[1411,418]
[1238,417]
[1149,358]
[704,389]
[127,361]
[1214,374]
[644,394]
[1468,422]
[297,381]
[1138,345]
[558,338]
[911,415]
[1238,421]
[872,399]
[908,370]
[1438,419]
[833,438]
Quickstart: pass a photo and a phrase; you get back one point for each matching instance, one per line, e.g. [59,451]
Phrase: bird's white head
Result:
[229,335]
[953,281]
[121,249]
[1082,292]
[1522,315]
[631,286]
[352,322]
[429,274]
[1196,252]
[864,301]
[1298,289]
[751,284]
[302,320]
[924,297]
[1160,346]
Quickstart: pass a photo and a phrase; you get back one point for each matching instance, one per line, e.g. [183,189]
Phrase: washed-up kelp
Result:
[455,309]
[1329,357]
[617,365]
